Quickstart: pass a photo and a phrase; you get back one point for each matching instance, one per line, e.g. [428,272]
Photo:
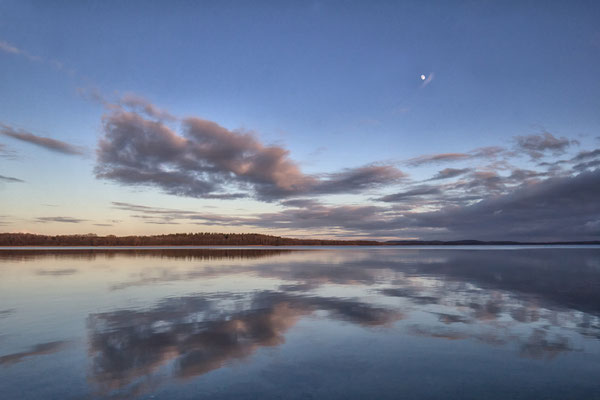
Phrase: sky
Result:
[383,120]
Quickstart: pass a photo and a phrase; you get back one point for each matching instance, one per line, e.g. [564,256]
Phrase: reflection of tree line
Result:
[184,254]
[177,239]
[128,346]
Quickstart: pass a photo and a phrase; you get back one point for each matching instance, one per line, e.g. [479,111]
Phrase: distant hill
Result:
[228,239]
[475,243]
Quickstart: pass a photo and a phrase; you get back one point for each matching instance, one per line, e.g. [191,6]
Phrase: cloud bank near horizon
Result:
[490,196]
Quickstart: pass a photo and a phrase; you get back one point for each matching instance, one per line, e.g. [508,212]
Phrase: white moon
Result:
[423,77]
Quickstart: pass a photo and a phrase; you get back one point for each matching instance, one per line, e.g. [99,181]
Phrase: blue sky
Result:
[334,85]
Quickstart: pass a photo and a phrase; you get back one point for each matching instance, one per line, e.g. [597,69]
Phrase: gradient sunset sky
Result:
[385,119]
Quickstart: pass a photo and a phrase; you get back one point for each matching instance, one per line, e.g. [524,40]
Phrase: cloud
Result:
[41,141]
[141,105]
[69,220]
[8,48]
[448,173]
[10,179]
[6,153]
[490,152]
[560,208]
[422,190]
[207,160]
[11,49]
[358,179]
[437,158]
[587,155]
[525,205]
[536,146]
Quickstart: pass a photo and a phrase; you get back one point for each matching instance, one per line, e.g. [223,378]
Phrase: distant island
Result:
[232,239]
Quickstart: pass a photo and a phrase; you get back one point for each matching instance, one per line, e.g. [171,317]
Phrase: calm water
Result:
[380,323]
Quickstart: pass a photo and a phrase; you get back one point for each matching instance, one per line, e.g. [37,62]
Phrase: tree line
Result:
[176,239]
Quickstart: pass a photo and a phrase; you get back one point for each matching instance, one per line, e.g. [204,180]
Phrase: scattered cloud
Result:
[69,220]
[6,153]
[41,141]
[489,153]
[11,49]
[141,105]
[448,173]
[437,158]
[536,146]
[418,191]
[10,179]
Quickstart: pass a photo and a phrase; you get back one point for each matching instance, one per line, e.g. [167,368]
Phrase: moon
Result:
[423,77]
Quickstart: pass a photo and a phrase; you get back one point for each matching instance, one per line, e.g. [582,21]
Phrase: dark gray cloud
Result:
[561,208]
[588,165]
[586,155]
[536,146]
[448,173]
[10,179]
[422,190]
[60,219]
[525,206]
[41,141]
[210,161]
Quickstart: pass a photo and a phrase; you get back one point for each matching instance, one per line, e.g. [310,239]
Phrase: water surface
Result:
[350,322]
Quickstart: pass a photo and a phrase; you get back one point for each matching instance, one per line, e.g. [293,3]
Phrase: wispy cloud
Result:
[69,220]
[448,173]
[12,49]
[490,152]
[538,145]
[10,179]
[6,153]
[41,141]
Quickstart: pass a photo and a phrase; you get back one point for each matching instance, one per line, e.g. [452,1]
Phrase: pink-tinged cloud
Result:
[207,160]
[41,141]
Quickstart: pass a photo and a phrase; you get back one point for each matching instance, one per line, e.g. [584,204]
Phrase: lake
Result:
[301,323]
